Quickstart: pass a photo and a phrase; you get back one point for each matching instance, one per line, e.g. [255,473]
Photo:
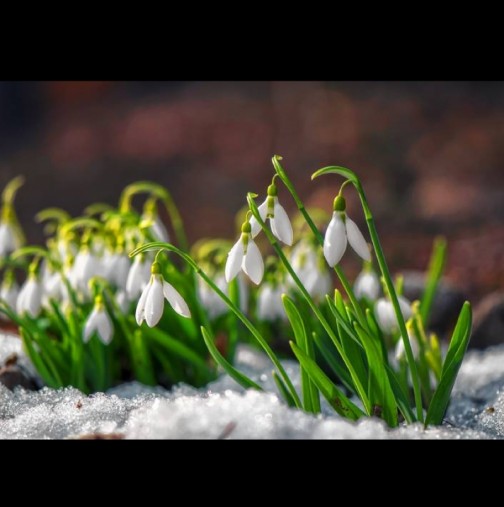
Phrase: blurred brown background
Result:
[430,155]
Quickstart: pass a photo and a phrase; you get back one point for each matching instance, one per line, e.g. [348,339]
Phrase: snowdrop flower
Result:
[86,265]
[151,303]
[400,352]
[245,255]
[211,301]
[9,292]
[30,296]
[119,268]
[367,284]
[343,229]
[158,231]
[269,302]
[385,315]
[122,301]
[155,227]
[9,238]
[98,322]
[138,276]
[271,209]
[310,269]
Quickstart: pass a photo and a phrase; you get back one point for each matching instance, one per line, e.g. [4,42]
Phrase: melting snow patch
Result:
[225,410]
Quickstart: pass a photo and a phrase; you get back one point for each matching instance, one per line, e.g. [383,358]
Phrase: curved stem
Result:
[190,261]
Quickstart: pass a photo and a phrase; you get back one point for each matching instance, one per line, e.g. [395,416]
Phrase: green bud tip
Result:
[272,190]
[246,228]
[156,268]
[339,203]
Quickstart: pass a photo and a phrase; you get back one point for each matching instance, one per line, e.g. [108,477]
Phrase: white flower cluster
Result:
[73,266]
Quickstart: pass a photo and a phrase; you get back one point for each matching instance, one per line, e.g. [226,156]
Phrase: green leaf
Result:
[435,271]
[341,404]
[333,359]
[177,348]
[283,389]
[381,394]
[311,401]
[335,169]
[236,375]
[451,366]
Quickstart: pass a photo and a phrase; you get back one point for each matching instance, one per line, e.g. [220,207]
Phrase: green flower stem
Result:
[360,389]
[339,272]
[190,261]
[380,257]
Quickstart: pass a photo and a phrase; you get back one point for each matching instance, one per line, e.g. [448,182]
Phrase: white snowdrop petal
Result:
[356,239]
[159,232]
[176,301]
[105,328]
[90,326]
[253,264]
[120,270]
[367,285]
[383,315]
[400,351]
[33,301]
[264,300]
[281,225]
[254,224]
[405,306]
[140,310]
[9,295]
[234,261]
[154,305]
[335,240]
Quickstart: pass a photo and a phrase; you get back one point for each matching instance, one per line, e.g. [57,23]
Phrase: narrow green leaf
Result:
[341,404]
[283,389]
[176,347]
[451,366]
[380,391]
[331,356]
[236,375]
[311,402]
[434,274]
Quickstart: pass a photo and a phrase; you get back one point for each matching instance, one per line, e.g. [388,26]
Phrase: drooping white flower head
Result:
[119,270]
[9,238]
[271,209]
[122,301]
[311,270]
[385,315]
[246,256]
[211,301]
[400,352]
[151,303]
[269,302]
[98,322]
[86,265]
[138,276]
[159,231]
[29,300]
[9,292]
[367,285]
[340,231]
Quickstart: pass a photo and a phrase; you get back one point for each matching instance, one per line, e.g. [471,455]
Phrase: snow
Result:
[225,410]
